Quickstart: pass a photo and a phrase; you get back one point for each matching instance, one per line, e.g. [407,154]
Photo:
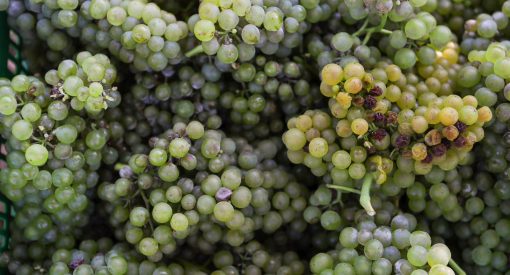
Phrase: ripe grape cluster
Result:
[257,137]
[376,117]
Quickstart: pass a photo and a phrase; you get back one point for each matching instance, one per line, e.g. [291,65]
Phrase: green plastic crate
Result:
[10,50]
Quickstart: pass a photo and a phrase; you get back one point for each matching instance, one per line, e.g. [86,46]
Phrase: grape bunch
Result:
[135,32]
[233,30]
[487,201]
[391,247]
[195,180]
[56,142]
[87,83]
[376,130]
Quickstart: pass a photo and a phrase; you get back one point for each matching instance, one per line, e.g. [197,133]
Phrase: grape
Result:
[36,155]
[441,269]
[332,74]
[415,29]
[405,58]
[294,139]
[250,34]
[228,20]
[204,30]
[7,105]
[162,212]
[440,35]
[342,41]
[321,262]
[417,255]
[272,21]
[228,53]
[318,147]
[359,126]
[438,254]
[22,130]
[208,11]
[398,39]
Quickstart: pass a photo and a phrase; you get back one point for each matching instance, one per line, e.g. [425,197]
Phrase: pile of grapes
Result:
[225,137]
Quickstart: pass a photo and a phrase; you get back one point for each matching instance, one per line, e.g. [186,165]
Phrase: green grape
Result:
[405,58]
[179,222]
[36,155]
[440,36]
[255,15]
[250,34]
[208,11]
[223,211]
[178,147]
[398,39]
[31,112]
[420,238]
[373,249]
[139,216]
[116,16]
[330,220]
[66,134]
[415,29]
[8,105]
[417,255]
[22,130]
[204,30]
[148,246]
[441,269]
[241,7]
[342,41]
[501,68]
[162,212]
[320,262]
[20,83]
[438,254]
[117,265]
[273,20]
[228,20]
[227,53]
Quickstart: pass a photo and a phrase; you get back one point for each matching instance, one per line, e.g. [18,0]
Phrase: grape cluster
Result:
[379,126]
[233,30]
[103,256]
[135,32]
[391,247]
[87,83]
[484,230]
[397,26]
[57,139]
[195,180]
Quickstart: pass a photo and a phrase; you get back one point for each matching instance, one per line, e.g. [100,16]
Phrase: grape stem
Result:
[363,27]
[343,188]
[338,199]
[364,198]
[146,201]
[458,270]
[378,28]
[197,50]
